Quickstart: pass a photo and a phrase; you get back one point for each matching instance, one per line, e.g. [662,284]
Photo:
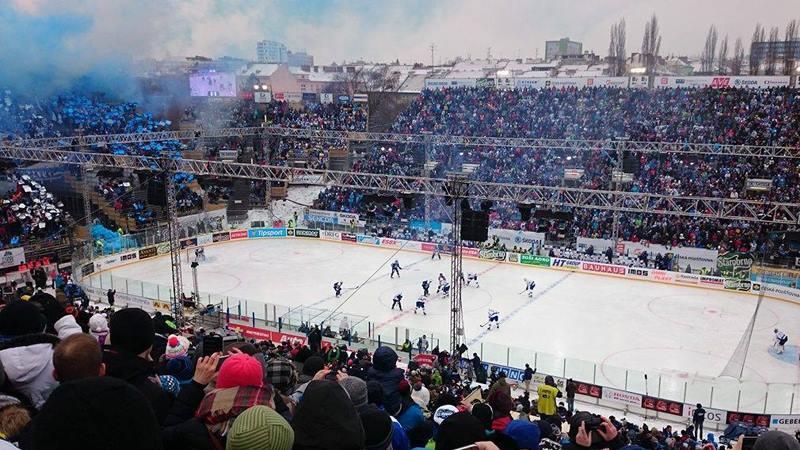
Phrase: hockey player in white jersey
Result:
[445,289]
[472,280]
[780,340]
[494,318]
[529,286]
[442,280]
[421,305]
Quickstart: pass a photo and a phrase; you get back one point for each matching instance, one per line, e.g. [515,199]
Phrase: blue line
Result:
[521,307]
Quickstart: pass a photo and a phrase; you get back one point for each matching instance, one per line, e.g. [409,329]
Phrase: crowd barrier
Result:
[767,404]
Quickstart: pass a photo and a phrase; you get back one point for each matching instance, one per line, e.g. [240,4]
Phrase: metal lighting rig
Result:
[173,231]
[457,188]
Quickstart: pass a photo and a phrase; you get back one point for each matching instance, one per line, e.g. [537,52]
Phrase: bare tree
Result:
[738,58]
[616,48]
[651,42]
[772,52]
[758,36]
[709,51]
[722,59]
[788,55]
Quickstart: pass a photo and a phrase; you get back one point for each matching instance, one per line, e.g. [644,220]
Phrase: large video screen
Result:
[212,84]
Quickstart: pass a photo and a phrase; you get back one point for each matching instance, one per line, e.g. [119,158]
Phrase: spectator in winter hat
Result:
[76,357]
[501,406]
[410,412]
[418,437]
[177,347]
[98,328]
[357,390]
[773,440]
[26,351]
[281,374]
[181,368]
[240,370]
[378,429]
[524,433]
[384,370]
[311,366]
[260,428]
[375,393]
[459,430]
[111,414]
[316,428]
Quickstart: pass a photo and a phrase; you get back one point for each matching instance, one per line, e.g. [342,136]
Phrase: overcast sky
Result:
[377,30]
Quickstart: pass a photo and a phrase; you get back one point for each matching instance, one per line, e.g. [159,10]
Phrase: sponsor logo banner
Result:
[628,398]
[781,291]
[361,239]
[513,257]
[239,234]
[12,257]
[588,389]
[566,263]
[123,300]
[186,243]
[661,405]
[737,285]
[87,269]
[388,242]
[220,237]
[735,265]
[471,252]
[163,248]
[687,278]
[424,359]
[302,232]
[148,252]
[637,272]
[603,268]
[662,275]
[717,416]
[266,335]
[535,260]
[427,247]
[761,420]
[711,281]
[256,233]
[331,235]
[785,420]
[290,231]
[204,239]
[348,237]
[128,257]
[496,255]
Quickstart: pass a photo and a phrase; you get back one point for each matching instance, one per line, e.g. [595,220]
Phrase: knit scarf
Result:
[220,407]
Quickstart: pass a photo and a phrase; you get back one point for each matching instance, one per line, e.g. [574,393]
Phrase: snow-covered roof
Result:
[259,70]
[534,74]
[414,82]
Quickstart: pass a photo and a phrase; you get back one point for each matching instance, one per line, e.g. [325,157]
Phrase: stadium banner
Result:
[443,83]
[780,291]
[362,239]
[696,258]
[470,252]
[12,257]
[715,282]
[238,234]
[760,420]
[316,215]
[257,233]
[735,265]
[221,237]
[251,332]
[186,243]
[262,97]
[106,263]
[624,397]
[740,285]
[571,264]
[638,272]
[424,359]
[360,98]
[163,248]
[588,389]
[393,243]
[326,98]
[529,83]
[495,255]
[87,269]
[330,235]
[639,82]
[662,405]
[617,82]
[535,260]
[306,233]
[687,278]
[148,252]
[204,239]
[722,82]
[662,276]
[427,246]
[123,300]
[603,268]
[348,237]
[715,416]
[513,257]
[513,241]
[785,421]
[212,84]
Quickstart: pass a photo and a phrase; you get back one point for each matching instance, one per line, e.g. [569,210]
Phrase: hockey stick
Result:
[484,324]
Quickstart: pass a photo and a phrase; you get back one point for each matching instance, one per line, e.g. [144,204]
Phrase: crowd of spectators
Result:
[128,380]
[28,212]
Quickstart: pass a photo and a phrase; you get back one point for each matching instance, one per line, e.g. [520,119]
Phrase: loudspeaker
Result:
[630,163]
[475,226]
[525,212]
[156,192]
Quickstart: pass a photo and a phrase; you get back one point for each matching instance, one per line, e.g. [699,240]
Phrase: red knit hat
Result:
[240,370]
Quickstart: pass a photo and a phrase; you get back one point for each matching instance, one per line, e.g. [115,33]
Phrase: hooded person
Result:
[98,328]
[316,428]
[410,412]
[26,350]
[358,391]
[384,370]
[776,440]
[111,414]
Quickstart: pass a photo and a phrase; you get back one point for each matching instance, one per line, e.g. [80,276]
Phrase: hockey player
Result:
[199,254]
[421,305]
[472,280]
[461,277]
[780,340]
[445,288]
[337,288]
[494,318]
[396,301]
[442,280]
[395,269]
[529,285]
[425,286]
[437,251]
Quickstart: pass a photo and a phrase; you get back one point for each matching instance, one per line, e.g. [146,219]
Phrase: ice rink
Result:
[682,332]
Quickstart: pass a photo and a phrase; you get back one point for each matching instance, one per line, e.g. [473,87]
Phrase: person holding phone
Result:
[771,440]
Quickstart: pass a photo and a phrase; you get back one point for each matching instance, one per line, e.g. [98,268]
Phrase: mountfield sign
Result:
[603,268]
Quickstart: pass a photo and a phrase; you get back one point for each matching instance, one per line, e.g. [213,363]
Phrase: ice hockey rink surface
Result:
[604,324]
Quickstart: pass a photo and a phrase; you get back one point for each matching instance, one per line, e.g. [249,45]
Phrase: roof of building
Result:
[260,70]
